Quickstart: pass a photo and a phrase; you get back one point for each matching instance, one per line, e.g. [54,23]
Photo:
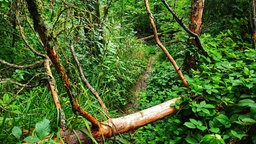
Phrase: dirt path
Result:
[140,85]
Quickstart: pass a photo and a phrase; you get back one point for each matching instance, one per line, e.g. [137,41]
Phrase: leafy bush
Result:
[218,107]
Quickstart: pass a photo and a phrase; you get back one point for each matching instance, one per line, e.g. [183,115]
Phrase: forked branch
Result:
[47,40]
[86,82]
[180,22]
[159,43]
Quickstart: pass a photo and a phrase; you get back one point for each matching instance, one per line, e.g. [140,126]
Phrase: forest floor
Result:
[141,84]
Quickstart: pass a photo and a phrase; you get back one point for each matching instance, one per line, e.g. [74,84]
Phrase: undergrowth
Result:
[219,106]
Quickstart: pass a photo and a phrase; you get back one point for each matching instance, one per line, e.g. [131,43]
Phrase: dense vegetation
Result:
[217,107]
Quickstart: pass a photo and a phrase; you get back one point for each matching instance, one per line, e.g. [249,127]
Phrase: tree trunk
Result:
[103,130]
[125,123]
[196,15]
[195,25]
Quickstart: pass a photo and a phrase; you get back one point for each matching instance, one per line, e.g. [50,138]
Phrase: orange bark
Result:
[47,41]
[196,16]
[176,67]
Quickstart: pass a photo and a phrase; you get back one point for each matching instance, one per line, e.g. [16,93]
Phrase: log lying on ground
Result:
[124,124]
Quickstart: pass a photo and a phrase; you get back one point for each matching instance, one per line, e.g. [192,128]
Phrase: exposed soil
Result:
[140,85]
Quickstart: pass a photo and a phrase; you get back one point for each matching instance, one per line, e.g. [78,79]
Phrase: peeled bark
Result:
[196,16]
[125,123]
[103,130]
[195,25]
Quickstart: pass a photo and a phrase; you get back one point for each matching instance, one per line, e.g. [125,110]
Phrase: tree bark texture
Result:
[195,25]
[103,130]
[48,42]
[196,16]
[125,123]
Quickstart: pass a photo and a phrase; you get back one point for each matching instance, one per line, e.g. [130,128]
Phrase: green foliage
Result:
[16,131]
[42,129]
[220,104]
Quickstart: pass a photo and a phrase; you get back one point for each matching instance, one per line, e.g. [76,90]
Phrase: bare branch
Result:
[14,82]
[34,65]
[179,20]
[25,85]
[93,91]
[159,34]
[162,46]
[47,40]
[26,42]
[55,95]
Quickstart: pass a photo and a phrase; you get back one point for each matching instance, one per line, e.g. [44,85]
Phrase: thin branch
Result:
[55,96]
[14,82]
[159,34]
[85,81]
[34,65]
[162,46]
[179,20]
[25,85]
[26,42]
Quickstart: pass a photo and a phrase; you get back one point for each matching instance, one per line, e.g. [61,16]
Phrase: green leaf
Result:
[16,131]
[249,120]
[32,139]
[193,121]
[246,102]
[209,106]
[42,128]
[191,140]
[212,139]
[190,125]
[202,128]
[223,119]
[214,130]
[206,111]
[237,82]
[246,71]
[6,98]
[238,135]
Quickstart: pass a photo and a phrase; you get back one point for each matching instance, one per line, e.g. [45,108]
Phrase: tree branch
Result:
[85,81]
[25,40]
[179,20]
[14,82]
[48,41]
[21,89]
[162,46]
[55,96]
[34,65]
[125,123]
[159,34]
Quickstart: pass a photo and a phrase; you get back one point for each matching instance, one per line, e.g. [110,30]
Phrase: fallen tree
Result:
[122,124]
[98,130]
